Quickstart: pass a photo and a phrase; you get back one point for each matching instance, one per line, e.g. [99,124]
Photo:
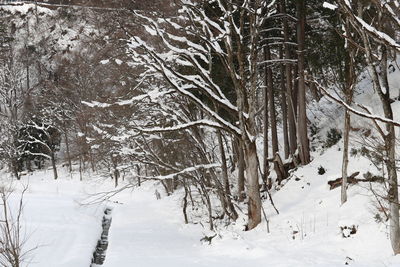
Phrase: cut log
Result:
[353,180]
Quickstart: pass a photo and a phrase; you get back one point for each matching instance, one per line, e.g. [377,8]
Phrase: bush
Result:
[321,170]
[332,137]
[353,152]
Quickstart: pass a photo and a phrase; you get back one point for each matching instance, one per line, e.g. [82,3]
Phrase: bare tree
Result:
[234,39]
[349,82]
[12,239]
[374,26]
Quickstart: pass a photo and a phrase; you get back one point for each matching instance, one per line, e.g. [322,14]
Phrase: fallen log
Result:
[353,180]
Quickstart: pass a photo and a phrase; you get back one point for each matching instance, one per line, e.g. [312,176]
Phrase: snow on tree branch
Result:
[357,112]
[187,170]
[206,123]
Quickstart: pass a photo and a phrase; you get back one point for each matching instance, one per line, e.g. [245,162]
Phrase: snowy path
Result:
[147,233]
[61,232]
[64,232]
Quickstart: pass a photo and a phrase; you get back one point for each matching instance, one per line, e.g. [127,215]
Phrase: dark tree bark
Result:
[68,150]
[284,109]
[227,190]
[271,104]
[241,168]
[265,115]
[289,84]
[53,163]
[302,116]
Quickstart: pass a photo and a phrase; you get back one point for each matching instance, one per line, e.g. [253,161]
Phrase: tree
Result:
[12,99]
[374,25]
[235,39]
[302,116]
[38,140]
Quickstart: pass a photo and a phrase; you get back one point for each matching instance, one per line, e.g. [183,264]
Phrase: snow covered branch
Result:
[187,170]
[206,123]
[354,111]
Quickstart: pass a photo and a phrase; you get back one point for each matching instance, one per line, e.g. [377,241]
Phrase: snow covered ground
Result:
[150,232]
[61,232]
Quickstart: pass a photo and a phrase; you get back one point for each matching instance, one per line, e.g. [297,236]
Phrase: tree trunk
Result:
[302,116]
[67,147]
[265,115]
[253,190]
[227,191]
[14,168]
[241,168]
[345,161]
[80,168]
[350,79]
[393,191]
[53,163]
[390,145]
[284,109]
[138,173]
[289,89]
[185,202]
[271,105]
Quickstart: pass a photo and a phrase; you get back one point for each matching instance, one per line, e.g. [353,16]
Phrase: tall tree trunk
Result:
[185,202]
[302,116]
[53,163]
[227,190]
[253,190]
[271,104]
[265,116]
[345,160]
[393,191]
[241,167]
[390,146]
[68,150]
[14,167]
[284,108]
[350,79]
[289,86]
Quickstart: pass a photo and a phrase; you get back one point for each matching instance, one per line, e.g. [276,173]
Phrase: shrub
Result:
[321,170]
[332,137]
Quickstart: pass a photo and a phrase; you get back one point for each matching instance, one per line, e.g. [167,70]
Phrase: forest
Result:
[199,133]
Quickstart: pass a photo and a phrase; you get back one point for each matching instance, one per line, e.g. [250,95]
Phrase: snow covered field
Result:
[61,232]
[149,232]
